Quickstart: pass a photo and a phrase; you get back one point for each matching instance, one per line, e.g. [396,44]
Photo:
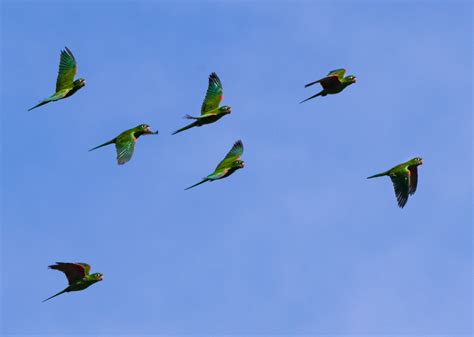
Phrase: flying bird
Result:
[77,275]
[65,84]
[333,83]
[226,167]
[125,142]
[404,178]
[210,110]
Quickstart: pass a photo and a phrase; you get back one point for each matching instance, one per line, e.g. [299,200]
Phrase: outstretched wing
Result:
[73,271]
[67,70]
[401,185]
[87,268]
[338,72]
[333,78]
[125,147]
[413,179]
[232,156]
[213,94]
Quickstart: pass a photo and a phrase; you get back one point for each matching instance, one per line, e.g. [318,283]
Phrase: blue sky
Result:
[298,242]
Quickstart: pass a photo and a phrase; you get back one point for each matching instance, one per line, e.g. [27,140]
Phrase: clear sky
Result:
[296,243]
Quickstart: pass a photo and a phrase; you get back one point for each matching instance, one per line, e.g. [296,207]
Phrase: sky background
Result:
[296,243]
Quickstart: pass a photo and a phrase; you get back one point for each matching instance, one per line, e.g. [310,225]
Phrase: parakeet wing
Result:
[67,70]
[213,94]
[413,179]
[233,155]
[125,147]
[401,185]
[333,78]
[73,271]
[87,268]
[330,82]
[338,72]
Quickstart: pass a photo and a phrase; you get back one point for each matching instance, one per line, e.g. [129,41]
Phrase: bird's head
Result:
[350,79]
[144,129]
[80,82]
[225,109]
[416,161]
[97,277]
[239,164]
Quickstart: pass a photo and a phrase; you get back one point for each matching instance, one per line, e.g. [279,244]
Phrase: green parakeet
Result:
[77,275]
[404,178]
[333,83]
[125,142]
[210,110]
[226,167]
[65,84]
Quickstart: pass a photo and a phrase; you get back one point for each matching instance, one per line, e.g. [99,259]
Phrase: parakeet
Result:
[333,83]
[65,84]
[404,178]
[125,142]
[226,167]
[77,276]
[210,110]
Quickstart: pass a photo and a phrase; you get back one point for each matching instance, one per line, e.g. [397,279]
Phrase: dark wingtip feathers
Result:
[239,143]
[214,78]
[69,52]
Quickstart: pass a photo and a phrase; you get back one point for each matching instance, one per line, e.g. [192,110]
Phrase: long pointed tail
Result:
[318,94]
[199,183]
[190,117]
[105,144]
[40,104]
[378,175]
[310,84]
[61,292]
[185,128]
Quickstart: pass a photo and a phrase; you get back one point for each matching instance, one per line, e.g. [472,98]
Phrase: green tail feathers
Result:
[378,175]
[318,94]
[105,144]
[39,104]
[199,183]
[61,292]
[185,128]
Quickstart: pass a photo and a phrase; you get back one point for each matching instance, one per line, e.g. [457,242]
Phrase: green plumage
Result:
[404,178]
[66,86]
[333,83]
[77,275]
[210,110]
[227,166]
[125,142]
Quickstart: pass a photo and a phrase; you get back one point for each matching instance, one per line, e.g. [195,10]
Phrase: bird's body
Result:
[125,142]
[210,110]
[66,86]
[404,178]
[333,83]
[77,275]
[227,166]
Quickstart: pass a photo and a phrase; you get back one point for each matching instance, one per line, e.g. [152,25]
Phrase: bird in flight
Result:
[65,84]
[404,178]
[227,166]
[77,275]
[210,110]
[125,142]
[333,83]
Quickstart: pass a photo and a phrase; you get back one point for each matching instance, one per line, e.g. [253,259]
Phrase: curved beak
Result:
[150,131]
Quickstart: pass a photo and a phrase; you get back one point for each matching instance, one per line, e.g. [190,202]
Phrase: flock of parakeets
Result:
[404,176]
